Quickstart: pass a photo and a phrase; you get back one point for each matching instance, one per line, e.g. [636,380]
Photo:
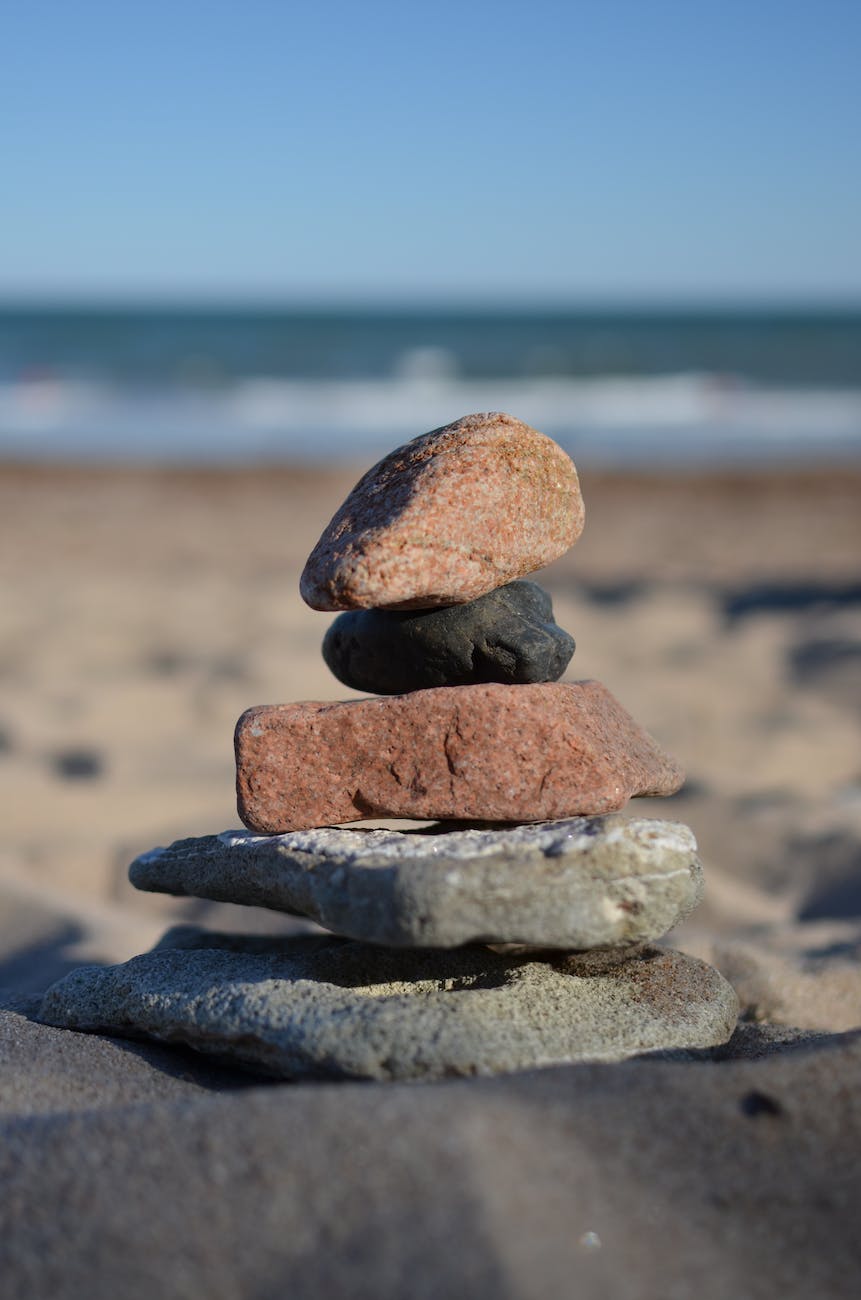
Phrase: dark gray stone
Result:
[506,636]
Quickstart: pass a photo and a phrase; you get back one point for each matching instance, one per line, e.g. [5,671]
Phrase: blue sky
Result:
[608,150]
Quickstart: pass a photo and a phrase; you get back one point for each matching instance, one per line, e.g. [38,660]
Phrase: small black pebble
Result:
[78,764]
[756,1103]
[507,635]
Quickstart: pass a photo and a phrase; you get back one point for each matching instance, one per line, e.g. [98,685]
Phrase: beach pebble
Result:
[507,635]
[447,517]
[78,764]
[488,752]
[309,1007]
[584,883]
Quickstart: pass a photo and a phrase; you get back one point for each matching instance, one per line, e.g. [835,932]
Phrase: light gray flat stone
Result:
[589,882]
[324,1007]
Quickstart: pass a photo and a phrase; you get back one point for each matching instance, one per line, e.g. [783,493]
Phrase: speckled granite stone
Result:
[330,1008]
[586,883]
[508,635]
[476,753]
[447,517]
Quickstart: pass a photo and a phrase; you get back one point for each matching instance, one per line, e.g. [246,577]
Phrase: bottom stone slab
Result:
[331,1008]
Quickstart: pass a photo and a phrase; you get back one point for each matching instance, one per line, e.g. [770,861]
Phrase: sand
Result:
[142,611]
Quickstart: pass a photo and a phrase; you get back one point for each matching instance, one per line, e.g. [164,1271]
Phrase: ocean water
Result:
[613,387]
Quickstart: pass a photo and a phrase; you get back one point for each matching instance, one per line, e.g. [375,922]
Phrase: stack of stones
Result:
[519,929]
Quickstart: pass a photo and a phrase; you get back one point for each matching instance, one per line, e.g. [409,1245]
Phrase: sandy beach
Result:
[143,610]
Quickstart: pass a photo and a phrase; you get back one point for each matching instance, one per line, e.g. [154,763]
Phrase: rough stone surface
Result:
[585,883]
[325,1007]
[488,753]
[506,636]
[447,517]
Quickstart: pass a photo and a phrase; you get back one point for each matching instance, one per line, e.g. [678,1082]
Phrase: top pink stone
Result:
[447,517]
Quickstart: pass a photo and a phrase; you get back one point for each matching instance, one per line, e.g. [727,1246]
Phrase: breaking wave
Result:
[684,418]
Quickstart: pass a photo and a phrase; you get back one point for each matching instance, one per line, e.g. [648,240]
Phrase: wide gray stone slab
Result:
[590,882]
[324,1007]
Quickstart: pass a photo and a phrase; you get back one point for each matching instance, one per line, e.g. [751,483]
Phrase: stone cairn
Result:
[526,940]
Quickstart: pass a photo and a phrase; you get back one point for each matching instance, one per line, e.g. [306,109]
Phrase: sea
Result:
[231,385]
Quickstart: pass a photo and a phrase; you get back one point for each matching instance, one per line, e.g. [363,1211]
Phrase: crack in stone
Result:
[452,731]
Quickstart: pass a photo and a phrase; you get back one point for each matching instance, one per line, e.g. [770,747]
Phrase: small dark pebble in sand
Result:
[755,1104]
[506,636]
[78,764]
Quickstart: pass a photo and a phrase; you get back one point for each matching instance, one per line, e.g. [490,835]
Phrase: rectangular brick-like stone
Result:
[478,753]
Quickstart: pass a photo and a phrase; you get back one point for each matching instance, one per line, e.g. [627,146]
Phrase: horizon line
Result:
[415,305]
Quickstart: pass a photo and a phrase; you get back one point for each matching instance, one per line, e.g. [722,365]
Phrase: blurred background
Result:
[249,248]
[292,231]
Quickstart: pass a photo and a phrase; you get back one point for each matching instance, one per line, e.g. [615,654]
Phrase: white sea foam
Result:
[686,417]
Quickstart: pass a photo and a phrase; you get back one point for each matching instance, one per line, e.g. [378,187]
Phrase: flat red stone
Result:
[447,517]
[476,753]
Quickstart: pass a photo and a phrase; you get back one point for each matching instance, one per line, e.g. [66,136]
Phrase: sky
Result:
[589,151]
